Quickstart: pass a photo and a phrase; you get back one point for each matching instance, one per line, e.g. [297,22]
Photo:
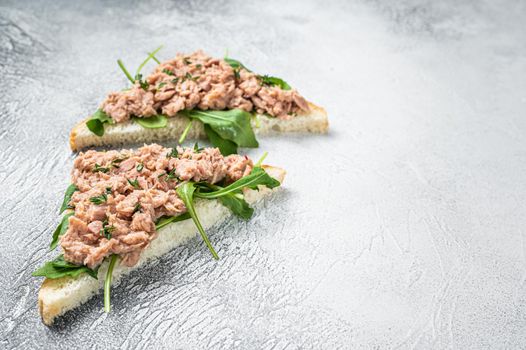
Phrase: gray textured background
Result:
[404,227]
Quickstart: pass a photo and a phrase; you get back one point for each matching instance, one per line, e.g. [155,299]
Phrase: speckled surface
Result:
[402,228]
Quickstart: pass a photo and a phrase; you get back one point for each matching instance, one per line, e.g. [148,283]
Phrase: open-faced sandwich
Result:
[126,207]
[198,96]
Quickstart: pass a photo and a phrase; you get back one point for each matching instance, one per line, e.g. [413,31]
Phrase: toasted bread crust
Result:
[57,296]
[128,132]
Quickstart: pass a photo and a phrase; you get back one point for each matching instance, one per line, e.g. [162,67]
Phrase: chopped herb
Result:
[236,73]
[137,207]
[108,190]
[134,183]
[173,153]
[115,163]
[188,76]
[161,85]
[100,168]
[167,71]
[171,175]
[106,230]
[186,61]
[198,66]
[175,80]
[98,200]
[197,149]
[139,167]
[143,83]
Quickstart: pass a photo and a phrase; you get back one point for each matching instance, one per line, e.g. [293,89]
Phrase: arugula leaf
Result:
[67,197]
[265,79]
[235,63]
[226,147]
[257,176]
[268,80]
[107,283]
[60,230]
[96,123]
[166,220]
[154,122]
[60,268]
[233,125]
[186,192]
[237,205]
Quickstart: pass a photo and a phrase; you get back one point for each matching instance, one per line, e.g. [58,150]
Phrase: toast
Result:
[81,137]
[57,296]
[228,102]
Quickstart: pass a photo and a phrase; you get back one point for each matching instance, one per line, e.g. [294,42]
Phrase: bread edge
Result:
[81,137]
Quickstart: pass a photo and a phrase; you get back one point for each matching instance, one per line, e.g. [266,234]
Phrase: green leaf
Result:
[268,80]
[96,123]
[233,125]
[60,230]
[235,63]
[237,205]
[265,79]
[186,192]
[67,197]
[60,268]
[166,220]
[257,177]
[154,122]
[226,147]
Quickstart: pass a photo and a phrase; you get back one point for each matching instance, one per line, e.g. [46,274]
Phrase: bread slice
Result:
[130,132]
[56,296]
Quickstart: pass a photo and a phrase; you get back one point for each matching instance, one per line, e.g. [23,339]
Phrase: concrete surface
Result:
[402,228]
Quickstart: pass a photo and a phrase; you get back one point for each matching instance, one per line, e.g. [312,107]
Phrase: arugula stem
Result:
[195,218]
[186,193]
[119,62]
[156,60]
[258,164]
[186,130]
[150,56]
[107,283]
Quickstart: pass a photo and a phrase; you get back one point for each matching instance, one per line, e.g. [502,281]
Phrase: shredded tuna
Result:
[134,188]
[203,82]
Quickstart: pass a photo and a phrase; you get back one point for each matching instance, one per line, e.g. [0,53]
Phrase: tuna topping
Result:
[198,81]
[121,194]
